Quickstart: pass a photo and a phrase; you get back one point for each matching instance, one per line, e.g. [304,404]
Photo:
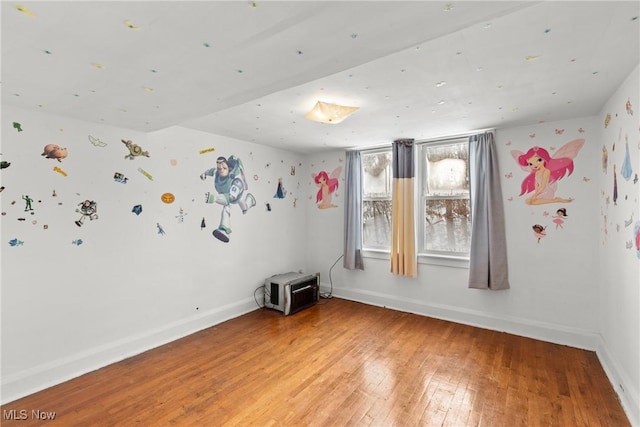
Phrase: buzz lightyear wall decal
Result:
[87,209]
[545,171]
[327,184]
[134,150]
[231,185]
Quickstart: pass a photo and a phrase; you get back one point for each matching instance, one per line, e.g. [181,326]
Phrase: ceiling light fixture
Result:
[324,112]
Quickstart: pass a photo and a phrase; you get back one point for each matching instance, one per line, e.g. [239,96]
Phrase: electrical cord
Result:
[330,294]
[256,299]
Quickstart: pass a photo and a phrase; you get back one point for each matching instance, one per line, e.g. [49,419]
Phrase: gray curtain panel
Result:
[353,212]
[488,268]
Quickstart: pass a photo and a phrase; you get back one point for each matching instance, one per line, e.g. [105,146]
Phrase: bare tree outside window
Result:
[445,192]
[376,207]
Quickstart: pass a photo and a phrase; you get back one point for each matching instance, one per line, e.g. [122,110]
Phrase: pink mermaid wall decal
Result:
[327,184]
[545,171]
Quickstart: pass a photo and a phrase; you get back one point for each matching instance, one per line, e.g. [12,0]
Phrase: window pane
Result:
[377,175]
[446,170]
[447,225]
[376,224]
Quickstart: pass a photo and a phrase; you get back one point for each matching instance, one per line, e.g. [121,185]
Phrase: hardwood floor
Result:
[340,363]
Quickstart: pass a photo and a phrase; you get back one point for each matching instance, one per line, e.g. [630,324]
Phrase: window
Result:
[376,199]
[442,188]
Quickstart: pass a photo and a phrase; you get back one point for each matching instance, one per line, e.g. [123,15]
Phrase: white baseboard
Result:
[24,383]
[627,392]
[548,332]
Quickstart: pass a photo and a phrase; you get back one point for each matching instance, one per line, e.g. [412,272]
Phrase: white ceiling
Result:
[252,70]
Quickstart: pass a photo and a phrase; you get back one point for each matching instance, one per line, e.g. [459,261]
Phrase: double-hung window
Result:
[443,215]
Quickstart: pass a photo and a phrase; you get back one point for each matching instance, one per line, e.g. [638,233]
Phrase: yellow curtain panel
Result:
[403,242]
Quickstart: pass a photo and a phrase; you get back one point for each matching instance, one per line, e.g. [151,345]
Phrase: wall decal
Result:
[130,24]
[539,232]
[546,171]
[60,171]
[202,224]
[280,191]
[88,209]
[327,184]
[145,173]
[629,221]
[231,185]
[605,158]
[27,201]
[118,177]
[17,126]
[4,164]
[628,107]
[181,215]
[53,151]
[615,186]
[559,217]
[636,232]
[96,142]
[207,150]
[137,209]
[168,198]
[626,171]
[134,150]
[160,229]
[24,10]
[16,242]
[77,242]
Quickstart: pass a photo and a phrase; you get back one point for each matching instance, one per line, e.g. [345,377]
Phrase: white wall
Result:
[69,309]
[618,223]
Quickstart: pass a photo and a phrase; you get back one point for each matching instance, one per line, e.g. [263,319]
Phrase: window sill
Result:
[429,259]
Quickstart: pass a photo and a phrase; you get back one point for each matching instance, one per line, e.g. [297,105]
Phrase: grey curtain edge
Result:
[488,266]
[352,248]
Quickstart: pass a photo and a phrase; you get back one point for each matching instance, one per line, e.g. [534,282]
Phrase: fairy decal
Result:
[559,217]
[626,171]
[539,231]
[545,171]
[327,184]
